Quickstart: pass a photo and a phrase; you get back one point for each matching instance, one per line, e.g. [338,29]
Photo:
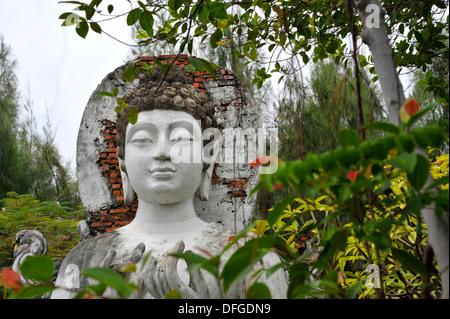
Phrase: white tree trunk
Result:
[375,36]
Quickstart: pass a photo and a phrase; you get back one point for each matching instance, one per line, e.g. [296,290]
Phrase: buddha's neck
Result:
[155,219]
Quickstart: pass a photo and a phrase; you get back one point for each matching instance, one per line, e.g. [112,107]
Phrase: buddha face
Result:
[163,156]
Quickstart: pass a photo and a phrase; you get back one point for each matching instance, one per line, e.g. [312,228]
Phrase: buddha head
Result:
[165,157]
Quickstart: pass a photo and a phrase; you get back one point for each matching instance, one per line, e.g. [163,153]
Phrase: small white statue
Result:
[164,160]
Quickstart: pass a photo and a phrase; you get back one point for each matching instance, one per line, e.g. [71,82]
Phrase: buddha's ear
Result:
[128,191]
[210,153]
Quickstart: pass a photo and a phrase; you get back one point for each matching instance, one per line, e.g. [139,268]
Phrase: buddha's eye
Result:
[141,137]
[180,134]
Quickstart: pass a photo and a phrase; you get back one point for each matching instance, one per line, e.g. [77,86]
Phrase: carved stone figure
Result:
[27,242]
[166,160]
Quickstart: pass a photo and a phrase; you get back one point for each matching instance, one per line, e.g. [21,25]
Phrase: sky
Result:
[60,68]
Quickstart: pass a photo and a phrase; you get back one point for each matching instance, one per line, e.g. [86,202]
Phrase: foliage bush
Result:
[56,221]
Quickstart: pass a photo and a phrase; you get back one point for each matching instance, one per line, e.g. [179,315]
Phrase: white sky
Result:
[62,69]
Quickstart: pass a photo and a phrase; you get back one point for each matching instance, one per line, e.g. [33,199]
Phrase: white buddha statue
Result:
[166,162]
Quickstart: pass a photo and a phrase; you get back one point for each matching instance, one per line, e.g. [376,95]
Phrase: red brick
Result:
[122,222]
[119,210]
[101,224]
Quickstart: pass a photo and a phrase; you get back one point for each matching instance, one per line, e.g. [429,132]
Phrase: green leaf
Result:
[82,29]
[409,261]
[215,38]
[405,161]
[173,294]
[12,194]
[384,126]
[420,173]
[258,291]
[110,278]
[244,259]
[146,22]
[129,74]
[278,209]
[30,292]
[352,292]
[175,4]
[132,115]
[38,268]
[217,10]
[95,27]
[198,262]
[115,91]
[106,93]
[203,65]
[110,8]
[441,181]
[133,16]
[190,68]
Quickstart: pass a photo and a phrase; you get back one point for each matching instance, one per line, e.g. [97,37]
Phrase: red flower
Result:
[409,108]
[262,160]
[277,186]
[11,278]
[352,175]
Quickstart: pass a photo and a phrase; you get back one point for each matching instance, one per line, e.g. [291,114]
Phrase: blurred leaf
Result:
[173,294]
[419,175]
[110,278]
[38,268]
[132,115]
[411,262]
[30,292]
[258,291]
[384,126]
[348,137]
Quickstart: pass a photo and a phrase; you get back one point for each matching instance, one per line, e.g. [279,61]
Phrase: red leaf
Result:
[11,278]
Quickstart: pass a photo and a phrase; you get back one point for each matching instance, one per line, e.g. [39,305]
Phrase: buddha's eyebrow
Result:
[181,123]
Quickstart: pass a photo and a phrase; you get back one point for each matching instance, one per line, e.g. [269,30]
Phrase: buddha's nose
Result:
[163,150]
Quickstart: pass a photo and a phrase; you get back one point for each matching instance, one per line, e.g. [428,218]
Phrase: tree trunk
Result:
[375,36]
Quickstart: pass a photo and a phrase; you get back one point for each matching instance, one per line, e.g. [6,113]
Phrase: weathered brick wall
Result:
[118,214]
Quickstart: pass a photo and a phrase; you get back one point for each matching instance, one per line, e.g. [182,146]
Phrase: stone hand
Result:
[163,278]
[132,258]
